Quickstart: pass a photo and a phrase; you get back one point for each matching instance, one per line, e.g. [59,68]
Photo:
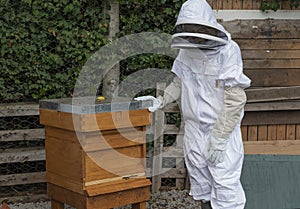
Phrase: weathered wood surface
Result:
[16,109]
[243,4]
[158,143]
[276,105]
[271,132]
[274,147]
[22,178]
[16,155]
[268,94]
[262,29]
[267,44]
[26,196]
[22,135]
[271,117]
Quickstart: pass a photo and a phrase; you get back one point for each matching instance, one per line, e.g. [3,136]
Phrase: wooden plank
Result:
[252,133]
[271,117]
[136,195]
[141,205]
[273,94]
[258,54]
[256,4]
[298,132]
[172,107]
[272,64]
[66,182]
[61,194]
[27,197]
[268,44]
[274,77]
[95,122]
[267,28]
[174,173]
[122,119]
[180,163]
[247,4]
[18,109]
[16,155]
[93,141]
[272,132]
[60,119]
[227,4]
[172,152]
[276,105]
[22,178]
[22,135]
[71,166]
[281,132]
[158,143]
[244,130]
[218,4]
[117,186]
[57,205]
[210,2]
[215,4]
[237,4]
[291,132]
[262,133]
[173,129]
[285,5]
[113,163]
[275,147]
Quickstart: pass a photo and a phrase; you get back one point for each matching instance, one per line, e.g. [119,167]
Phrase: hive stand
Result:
[95,153]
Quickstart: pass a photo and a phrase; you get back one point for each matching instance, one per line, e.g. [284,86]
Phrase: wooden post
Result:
[158,143]
[57,205]
[111,79]
[141,205]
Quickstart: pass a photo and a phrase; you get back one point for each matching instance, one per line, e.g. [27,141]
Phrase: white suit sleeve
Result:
[172,92]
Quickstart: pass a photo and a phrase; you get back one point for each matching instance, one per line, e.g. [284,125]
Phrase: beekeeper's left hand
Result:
[216,150]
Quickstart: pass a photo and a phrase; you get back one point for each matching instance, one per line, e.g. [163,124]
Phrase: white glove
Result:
[157,102]
[217,149]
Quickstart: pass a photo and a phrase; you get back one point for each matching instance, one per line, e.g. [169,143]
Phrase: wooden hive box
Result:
[96,153]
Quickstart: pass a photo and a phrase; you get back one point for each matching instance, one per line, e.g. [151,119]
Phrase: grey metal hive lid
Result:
[88,105]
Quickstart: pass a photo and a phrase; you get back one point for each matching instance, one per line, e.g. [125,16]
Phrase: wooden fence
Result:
[22,154]
[242,4]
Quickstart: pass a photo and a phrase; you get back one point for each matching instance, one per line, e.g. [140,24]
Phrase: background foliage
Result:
[45,43]
[276,4]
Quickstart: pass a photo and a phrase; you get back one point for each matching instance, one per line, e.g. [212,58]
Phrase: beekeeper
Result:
[211,83]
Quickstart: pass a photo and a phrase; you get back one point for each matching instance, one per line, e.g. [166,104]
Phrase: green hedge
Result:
[44,44]
[147,16]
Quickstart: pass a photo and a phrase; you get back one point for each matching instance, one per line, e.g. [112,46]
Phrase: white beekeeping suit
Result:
[211,84]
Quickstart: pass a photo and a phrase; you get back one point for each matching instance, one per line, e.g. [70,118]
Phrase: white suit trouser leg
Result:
[220,184]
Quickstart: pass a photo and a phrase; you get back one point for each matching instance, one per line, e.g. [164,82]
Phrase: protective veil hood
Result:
[196,20]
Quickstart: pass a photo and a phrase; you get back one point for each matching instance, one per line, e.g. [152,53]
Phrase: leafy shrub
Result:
[44,44]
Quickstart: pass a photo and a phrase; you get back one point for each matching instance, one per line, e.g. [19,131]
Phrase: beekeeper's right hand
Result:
[171,93]
[157,102]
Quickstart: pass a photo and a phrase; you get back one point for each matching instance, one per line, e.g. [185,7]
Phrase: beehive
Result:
[95,152]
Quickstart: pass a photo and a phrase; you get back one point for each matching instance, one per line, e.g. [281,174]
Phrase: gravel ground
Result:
[172,199]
